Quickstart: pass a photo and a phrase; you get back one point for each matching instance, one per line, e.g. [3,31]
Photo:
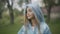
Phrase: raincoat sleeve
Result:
[47,31]
[21,31]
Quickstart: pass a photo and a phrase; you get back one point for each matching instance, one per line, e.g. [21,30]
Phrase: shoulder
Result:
[44,27]
[22,29]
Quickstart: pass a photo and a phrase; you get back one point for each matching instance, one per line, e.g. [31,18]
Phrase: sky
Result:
[16,5]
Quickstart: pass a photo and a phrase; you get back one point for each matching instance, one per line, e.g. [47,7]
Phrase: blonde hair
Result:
[26,21]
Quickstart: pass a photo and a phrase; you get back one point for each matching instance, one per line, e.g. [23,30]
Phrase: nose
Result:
[27,13]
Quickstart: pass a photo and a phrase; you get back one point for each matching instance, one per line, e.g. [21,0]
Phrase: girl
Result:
[34,21]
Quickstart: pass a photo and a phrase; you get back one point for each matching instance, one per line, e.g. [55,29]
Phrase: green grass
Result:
[10,29]
[7,28]
[55,26]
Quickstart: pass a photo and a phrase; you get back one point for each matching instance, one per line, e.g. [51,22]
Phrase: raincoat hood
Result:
[37,12]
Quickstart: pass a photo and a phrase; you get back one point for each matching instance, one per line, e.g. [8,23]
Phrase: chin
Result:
[29,18]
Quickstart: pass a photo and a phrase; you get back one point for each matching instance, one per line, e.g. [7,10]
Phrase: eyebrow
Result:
[30,9]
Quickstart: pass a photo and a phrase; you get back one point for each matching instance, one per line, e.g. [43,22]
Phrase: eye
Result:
[29,10]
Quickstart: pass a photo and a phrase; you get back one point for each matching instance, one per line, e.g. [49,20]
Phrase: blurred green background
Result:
[12,17]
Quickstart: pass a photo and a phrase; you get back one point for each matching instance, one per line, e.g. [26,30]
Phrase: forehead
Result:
[29,9]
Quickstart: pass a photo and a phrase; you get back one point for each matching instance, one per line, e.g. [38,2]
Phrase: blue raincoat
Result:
[44,29]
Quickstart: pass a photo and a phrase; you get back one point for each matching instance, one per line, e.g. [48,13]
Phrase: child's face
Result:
[30,14]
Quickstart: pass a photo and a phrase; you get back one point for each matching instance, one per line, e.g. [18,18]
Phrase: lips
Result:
[28,15]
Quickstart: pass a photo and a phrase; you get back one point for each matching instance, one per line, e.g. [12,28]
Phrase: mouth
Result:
[28,15]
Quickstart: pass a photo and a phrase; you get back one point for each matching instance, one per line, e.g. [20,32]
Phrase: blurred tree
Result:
[2,4]
[10,7]
[20,2]
[49,4]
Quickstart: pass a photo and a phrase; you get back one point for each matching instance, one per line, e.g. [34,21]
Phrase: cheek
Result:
[32,15]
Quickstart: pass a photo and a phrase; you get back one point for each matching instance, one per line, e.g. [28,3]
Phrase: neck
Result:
[33,22]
